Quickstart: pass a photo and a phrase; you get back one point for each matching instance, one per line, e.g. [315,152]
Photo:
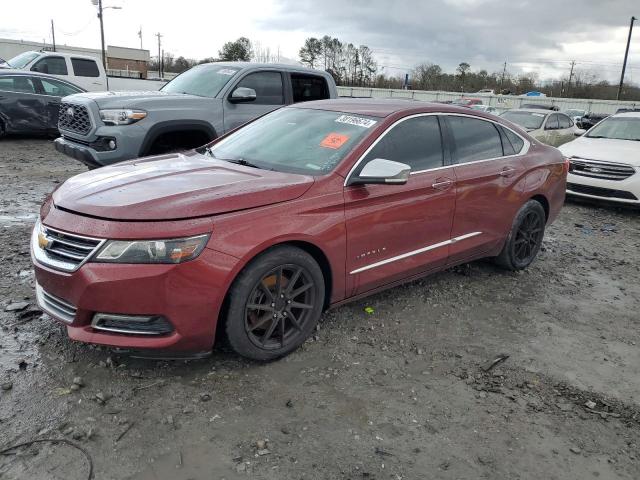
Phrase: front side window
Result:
[56,88]
[84,68]
[552,122]
[618,128]
[415,142]
[20,84]
[268,87]
[474,139]
[295,140]
[51,65]
[202,80]
[308,87]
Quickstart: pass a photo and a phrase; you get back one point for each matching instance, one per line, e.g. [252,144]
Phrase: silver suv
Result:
[101,128]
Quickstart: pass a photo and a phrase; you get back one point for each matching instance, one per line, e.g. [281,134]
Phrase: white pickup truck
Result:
[82,70]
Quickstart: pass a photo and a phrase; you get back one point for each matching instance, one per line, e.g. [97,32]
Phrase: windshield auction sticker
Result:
[227,71]
[358,121]
[334,140]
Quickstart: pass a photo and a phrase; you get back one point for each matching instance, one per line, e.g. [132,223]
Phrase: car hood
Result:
[176,186]
[604,149]
[132,99]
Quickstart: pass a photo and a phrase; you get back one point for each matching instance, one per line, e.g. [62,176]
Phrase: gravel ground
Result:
[399,393]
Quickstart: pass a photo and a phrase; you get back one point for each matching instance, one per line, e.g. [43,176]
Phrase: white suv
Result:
[605,162]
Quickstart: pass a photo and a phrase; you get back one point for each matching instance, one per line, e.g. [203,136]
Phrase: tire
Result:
[284,313]
[525,237]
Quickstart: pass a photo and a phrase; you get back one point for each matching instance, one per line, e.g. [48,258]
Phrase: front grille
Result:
[603,170]
[600,192]
[62,250]
[55,306]
[74,118]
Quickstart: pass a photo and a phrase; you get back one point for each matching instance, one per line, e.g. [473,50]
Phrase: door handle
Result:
[442,183]
[507,172]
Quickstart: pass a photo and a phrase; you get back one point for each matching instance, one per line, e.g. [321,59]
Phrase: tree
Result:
[310,52]
[462,70]
[238,51]
[181,64]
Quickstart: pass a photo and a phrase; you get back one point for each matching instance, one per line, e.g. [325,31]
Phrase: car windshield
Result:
[620,128]
[575,113]
[527,120]
[202,80]
[22,60]
[295,140]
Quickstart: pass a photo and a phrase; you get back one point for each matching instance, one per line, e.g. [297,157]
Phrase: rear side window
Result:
[308,87]
[415,141]
[474,139]
[20,84]
[51,65]
[564,121]
[511,143]
[84,68]
[268,87]
[56,88]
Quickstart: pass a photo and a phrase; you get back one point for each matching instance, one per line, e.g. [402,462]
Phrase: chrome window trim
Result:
[414,252]
[523,151]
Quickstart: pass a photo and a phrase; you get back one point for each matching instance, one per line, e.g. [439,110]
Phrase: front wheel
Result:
[274,304]
[525,238]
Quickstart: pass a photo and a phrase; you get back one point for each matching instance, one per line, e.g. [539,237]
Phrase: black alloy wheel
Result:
[274,303]
[525,237]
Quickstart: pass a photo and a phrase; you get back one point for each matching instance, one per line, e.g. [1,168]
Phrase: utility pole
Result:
[159,35]
[573,64]
[626,55]
[53,35]
[140,35]
[104,59]
[504,73]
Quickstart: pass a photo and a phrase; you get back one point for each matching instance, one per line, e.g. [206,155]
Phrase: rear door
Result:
[22,109]
[487,171]
[270,94]
[551,130]
[396,231]
[87,74]
[565,130]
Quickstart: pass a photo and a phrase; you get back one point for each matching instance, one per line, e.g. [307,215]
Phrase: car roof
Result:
[28,73]
[273,66]
[627,115]
[383,107]
[540,111]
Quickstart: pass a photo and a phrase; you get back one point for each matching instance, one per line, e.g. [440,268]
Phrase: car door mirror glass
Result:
[381,171]
[243,95]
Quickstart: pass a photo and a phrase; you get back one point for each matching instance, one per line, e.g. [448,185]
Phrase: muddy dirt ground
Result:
[399,393]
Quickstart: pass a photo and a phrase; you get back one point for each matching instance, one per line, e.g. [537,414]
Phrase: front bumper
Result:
[625,191]
[189,295]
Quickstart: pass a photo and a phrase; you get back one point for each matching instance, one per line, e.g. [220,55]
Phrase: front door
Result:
[269,89]
[396,231]
[21,105]
[488,173]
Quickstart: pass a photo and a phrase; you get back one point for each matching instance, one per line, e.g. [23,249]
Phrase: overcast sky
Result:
[541,35]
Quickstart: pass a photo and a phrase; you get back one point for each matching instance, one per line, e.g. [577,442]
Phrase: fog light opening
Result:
[112,144]
[132,324]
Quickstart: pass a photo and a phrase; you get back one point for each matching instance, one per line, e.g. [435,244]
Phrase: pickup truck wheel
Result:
[275,304]
[525,238]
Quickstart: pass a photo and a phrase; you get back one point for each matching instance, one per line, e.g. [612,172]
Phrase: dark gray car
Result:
[100,128]
[30,102]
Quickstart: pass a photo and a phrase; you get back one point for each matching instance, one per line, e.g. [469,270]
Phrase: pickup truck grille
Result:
[74,118]
[603,170]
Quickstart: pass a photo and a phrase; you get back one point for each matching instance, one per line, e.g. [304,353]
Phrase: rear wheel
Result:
[525,238]
[275,304]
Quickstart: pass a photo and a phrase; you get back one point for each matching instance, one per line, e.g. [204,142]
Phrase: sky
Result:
[541,36]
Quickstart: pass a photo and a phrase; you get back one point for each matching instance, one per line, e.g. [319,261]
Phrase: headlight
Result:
[176,250]
[121,117]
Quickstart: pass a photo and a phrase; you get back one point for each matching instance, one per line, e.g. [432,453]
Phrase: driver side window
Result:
[51,65]
[415,141]
[268,87]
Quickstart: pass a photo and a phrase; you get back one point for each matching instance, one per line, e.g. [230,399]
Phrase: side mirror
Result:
[381,171]
[243,95]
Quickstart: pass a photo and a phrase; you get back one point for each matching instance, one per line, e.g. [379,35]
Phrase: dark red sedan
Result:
[305,208]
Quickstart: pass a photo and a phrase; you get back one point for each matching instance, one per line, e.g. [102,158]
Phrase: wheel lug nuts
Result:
[288,301]
[273,304]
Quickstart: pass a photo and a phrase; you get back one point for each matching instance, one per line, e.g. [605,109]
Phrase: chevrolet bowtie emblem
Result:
[43,241]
